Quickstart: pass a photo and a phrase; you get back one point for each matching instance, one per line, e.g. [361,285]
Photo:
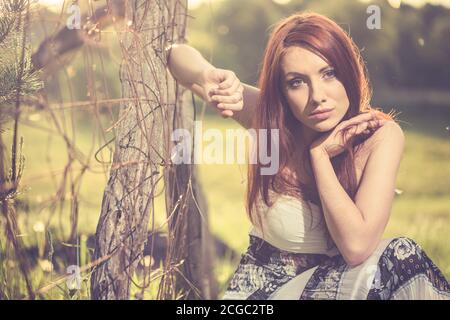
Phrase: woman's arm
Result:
[192,71]
[357,226]
[187,65]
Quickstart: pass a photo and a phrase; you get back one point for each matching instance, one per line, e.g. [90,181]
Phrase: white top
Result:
[287,226]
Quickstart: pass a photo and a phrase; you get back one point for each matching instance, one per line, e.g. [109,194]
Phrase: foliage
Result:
[410,50]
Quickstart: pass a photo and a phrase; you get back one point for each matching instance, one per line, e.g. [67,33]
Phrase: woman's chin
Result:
[324,126]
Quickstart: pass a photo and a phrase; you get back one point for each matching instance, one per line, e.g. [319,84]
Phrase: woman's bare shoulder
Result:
[390,132]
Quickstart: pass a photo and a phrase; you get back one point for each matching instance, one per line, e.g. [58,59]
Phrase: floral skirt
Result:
[398,269]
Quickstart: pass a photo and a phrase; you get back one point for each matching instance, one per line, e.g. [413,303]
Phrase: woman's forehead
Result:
[300,60]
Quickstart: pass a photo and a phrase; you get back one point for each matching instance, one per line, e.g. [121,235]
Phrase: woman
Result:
[317,222]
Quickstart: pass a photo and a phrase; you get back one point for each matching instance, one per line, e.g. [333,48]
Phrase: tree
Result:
[142,158]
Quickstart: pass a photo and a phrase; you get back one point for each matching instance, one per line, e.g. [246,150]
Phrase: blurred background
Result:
[409,68]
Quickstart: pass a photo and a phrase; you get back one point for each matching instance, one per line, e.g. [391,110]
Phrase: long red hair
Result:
[325,38]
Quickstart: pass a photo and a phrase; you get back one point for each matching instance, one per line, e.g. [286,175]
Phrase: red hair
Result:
[325,38]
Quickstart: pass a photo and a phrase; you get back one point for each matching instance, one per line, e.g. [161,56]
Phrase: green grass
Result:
[421,211]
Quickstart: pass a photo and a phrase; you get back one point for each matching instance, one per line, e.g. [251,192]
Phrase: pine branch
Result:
[17,78]
[10,86]
[6,25]
[14,6]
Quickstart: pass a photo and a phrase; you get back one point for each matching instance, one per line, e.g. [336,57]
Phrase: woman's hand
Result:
[332,143]
[223,90]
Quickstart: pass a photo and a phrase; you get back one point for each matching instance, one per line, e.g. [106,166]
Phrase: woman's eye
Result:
[296,83]
[329,74]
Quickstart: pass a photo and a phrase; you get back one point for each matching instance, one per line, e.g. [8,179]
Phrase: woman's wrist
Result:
[317,153]
[201,77]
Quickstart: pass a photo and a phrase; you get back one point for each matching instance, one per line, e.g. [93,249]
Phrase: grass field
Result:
[421,211]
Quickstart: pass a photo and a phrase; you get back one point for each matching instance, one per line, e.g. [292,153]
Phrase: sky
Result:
[194,3]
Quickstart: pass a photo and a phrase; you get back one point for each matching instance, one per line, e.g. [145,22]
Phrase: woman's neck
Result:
[299,162]
[307,136]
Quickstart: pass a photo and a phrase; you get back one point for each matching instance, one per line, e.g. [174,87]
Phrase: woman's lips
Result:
[320,116]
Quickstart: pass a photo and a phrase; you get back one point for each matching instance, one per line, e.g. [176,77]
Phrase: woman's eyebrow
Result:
[294,73]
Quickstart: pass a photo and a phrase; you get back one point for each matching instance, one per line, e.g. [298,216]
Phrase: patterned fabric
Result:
[324,283]
[402,262]
[402,271]
[264,268]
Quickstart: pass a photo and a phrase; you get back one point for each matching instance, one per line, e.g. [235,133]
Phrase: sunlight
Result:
[51,2]
[415,3]
[58,3]
[195,3]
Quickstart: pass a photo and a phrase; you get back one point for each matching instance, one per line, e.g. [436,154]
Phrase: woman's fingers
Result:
[234,101]
[229,77]
[231,106]
[362,127]
[226,113]
[228,96]
[229,90]
[374,124]
[365,126]
[235,98]
[366,116]
[235,90]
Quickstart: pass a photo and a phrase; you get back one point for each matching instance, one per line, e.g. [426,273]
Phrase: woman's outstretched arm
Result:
[232,99]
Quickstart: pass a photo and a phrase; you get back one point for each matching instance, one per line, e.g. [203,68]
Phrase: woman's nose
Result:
[317,92]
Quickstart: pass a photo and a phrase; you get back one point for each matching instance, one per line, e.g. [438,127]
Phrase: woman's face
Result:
[310,85]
